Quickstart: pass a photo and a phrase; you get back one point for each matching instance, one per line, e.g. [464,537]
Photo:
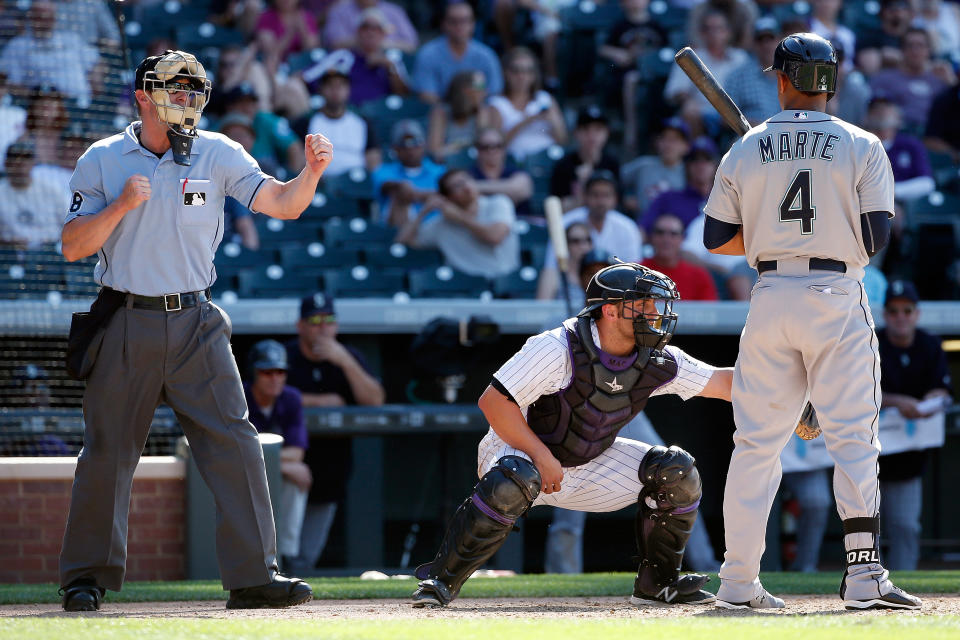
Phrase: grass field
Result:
[603,618]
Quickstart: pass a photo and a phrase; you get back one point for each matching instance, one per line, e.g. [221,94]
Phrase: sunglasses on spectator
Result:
[327,318]
[906,311]
[489,146]
[522,68]
[578,240]
[272,372]
[667,232]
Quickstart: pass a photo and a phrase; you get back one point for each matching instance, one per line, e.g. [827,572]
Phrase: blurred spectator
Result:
[693,281]
[474,233]
[345,17]
[550,286]
[547,24]
[913,368]
[825,22]
[402,185]
[913,177]
[570,173]
[737,276]
[283,29]
[47,118]
[275,407]
[646,177]
[853,93]
[740,16]
[915,83]
[811,490]
[44,56]
[455,51]
[495,172]
[721,59]
[91,20]
[33,208]
[73,142]
[455,121]
[13,117]
[32,387]
[610,230]
[275,144]
[237,66]
[352,136]
[328,374]
[942,21]
[754,91]
[529,117]
[238,223]
[241,15]
[373,73]
[879,48]
[700,165]
[943,127]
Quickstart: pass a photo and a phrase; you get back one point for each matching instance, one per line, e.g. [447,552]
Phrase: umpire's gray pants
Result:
[182,359]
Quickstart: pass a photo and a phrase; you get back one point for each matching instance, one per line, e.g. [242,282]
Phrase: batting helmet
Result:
[267,354]
[647,297]
[809,61]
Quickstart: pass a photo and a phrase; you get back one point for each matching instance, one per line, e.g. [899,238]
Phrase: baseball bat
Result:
[706,82]
[553,211]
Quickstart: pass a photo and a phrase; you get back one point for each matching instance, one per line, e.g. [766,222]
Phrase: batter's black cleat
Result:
[281,592]
[82,594]
[684,590]
[431,593]
[896,599]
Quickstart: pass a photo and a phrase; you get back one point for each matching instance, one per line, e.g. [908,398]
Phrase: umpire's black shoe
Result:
[432,593]
[896,599]
[82,594]
[281,592]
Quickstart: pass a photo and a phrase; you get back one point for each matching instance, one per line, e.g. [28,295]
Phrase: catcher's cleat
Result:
[762,601]
[82,594]
[280,593]
[431,593]
[685,590]
[896,599]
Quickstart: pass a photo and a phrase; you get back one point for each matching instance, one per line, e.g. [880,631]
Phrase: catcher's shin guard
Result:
[666,512]
[478,528]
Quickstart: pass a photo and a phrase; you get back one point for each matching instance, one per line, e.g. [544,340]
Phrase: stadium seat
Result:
[668,16]
[463,159]
[935,203]
[223,284]
[231,257]
[326,206]
[201,35]
[274,281]
[590,16]
[399,256]
[316,259]
[357,233]
[351,185]
[522,283]
[383,113]
[446,282]
[359,281]
[274,232]
[301,60]
[945,170]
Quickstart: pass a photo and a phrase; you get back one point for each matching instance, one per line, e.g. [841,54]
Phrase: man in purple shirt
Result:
[277,408]
[912,175]
[344,18]
[700,164]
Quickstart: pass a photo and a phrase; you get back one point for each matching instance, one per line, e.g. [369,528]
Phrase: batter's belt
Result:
[824,264]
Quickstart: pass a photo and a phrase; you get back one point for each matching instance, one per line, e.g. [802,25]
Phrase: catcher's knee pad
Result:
[510,487]
[670,479]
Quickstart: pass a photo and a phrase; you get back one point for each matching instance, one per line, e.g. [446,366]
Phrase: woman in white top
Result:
[529,117]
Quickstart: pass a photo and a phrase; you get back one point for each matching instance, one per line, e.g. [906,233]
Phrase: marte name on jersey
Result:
[797,145]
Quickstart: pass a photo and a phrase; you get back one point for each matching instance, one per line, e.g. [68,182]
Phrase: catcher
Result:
[555,409]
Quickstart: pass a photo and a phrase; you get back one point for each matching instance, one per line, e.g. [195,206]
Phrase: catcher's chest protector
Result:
[581,420]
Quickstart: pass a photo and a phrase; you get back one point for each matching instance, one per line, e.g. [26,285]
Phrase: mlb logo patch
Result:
[194,198]
[800,115]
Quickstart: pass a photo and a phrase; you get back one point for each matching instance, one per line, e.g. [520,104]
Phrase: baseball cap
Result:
[590,114]
[766,24]
[269,354]
[595,257]
[243,91]
[702,146]
[677,124]
[319,304]
[902,289]
[236,119]
[601,175]
[408,133]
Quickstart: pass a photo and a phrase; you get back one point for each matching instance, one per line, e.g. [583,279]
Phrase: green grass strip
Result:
[530,586]
[705,627]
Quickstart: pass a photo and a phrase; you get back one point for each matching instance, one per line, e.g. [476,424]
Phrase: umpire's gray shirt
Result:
[167,244]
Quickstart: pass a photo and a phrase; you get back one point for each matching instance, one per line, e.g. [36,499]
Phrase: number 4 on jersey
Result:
[796,204]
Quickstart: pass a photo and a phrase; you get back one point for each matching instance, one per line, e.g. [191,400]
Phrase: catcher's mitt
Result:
[809,426]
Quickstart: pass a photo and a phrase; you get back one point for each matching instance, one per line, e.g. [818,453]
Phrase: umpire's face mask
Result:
[179,89]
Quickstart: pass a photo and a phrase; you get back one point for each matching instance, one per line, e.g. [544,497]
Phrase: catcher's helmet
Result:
[267,354]
[157,76]
[637,286]
[809,61]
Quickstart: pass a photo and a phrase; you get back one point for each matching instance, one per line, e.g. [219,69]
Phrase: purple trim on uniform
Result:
[688,509]
[487,511]
[617,363]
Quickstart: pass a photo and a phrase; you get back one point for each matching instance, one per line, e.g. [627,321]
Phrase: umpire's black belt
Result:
[170,301]
[824,264]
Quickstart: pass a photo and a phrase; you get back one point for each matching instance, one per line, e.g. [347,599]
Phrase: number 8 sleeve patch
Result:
[77,202]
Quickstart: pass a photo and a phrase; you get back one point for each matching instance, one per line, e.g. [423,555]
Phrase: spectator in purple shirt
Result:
[345,17]
[701,167]
[373,74]
[914,84]
[277,408]
[913,177]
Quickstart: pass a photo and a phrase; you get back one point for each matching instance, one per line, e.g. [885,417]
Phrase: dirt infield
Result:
[527,608]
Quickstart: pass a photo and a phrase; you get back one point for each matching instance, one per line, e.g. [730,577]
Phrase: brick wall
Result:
[33,514]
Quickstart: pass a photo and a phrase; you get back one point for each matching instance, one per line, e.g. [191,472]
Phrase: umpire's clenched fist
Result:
[318,151]
[136,191]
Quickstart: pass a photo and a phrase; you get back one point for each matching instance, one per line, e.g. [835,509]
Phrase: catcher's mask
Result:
[167,76]
[647,298]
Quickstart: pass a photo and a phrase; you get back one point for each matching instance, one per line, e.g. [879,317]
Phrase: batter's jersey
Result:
[798,184]
[543,367]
